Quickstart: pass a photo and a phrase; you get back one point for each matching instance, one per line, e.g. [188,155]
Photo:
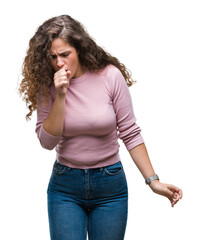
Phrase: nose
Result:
[59,62]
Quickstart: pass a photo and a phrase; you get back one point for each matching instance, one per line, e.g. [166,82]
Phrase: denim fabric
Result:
[93,201]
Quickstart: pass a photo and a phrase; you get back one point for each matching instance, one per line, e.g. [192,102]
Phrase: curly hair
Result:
[37,71]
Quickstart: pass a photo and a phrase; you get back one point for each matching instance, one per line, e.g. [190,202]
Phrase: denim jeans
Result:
[93,201]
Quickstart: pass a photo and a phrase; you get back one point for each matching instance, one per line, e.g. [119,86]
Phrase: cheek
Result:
[53,65]
[74,58]
[73,67]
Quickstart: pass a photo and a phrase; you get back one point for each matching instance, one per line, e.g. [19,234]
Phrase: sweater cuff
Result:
[137,142]
[47,140]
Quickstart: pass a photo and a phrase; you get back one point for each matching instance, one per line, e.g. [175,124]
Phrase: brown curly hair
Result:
[37,71]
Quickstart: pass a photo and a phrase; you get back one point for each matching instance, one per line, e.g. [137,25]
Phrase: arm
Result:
[140,157]
[49,124]
[53,124]
[50,118]
[129,132]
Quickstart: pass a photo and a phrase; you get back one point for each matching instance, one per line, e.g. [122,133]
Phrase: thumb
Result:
[68,74]
[169,194]
[63,68]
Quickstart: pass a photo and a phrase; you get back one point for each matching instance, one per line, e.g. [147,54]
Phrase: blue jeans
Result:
[87,200]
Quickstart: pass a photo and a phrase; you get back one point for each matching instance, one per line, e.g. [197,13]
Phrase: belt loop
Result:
[69,169]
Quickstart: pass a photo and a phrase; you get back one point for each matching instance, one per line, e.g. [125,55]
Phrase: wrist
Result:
[151,179]
[153,183]
[60,97]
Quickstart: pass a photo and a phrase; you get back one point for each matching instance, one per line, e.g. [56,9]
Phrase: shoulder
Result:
[110,71]
[114,80]
[113,76]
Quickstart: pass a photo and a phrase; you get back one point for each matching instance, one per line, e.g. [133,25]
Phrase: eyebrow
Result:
[66,51]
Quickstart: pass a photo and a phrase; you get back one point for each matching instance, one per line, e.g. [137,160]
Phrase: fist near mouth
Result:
[61,81]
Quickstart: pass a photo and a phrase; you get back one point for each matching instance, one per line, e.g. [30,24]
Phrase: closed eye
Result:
[53,56]
[64,54]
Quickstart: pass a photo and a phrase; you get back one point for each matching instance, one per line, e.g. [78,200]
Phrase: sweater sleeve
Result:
[47,140]
[127,128]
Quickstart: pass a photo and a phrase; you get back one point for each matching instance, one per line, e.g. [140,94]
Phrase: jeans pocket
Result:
[58,168]
[114,169]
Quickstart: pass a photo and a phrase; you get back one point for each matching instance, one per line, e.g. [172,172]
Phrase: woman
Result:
[83,105]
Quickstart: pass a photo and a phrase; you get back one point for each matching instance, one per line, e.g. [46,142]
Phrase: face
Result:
[65,56]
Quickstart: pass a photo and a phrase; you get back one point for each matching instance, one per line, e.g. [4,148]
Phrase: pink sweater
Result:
[98,111]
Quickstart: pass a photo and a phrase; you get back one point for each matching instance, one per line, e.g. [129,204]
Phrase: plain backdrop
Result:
[156,40]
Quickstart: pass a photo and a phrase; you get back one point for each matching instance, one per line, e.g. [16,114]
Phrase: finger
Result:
[63,78]
[176,190]
[176,195]
[180,194]
[62,84]
[60,79]
[173,203]
[68,74]
[172,196]
[176,199]
[173,188]
[169,193]
[60,74]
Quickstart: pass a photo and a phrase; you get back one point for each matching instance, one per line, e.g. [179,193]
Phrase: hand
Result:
[61,81]
[167,190]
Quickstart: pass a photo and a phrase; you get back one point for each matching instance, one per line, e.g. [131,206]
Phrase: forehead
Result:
[59,45]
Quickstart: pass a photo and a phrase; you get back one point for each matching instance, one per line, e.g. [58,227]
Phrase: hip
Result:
[104,182]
